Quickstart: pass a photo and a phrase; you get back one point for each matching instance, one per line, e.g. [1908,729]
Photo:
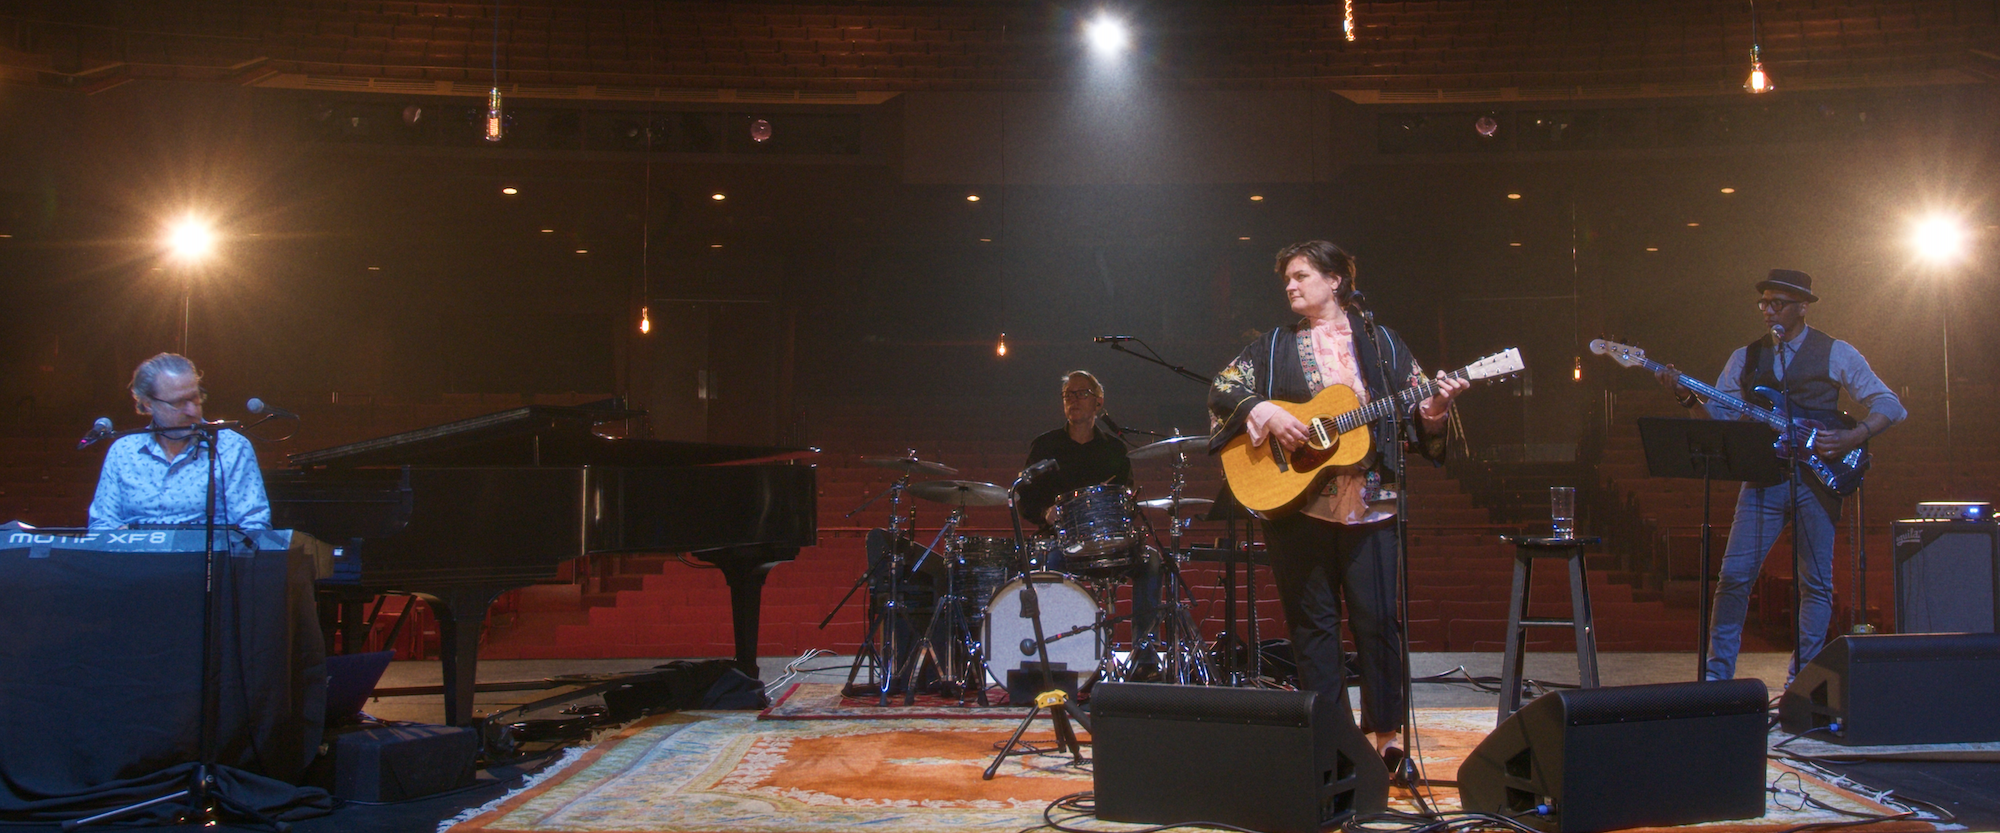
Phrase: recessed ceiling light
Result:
[1513,196]
[583,251]
[6,235]
[510,190]
[985,239]
[1243,238]
[1694,225]
[1256,197]
[548,231]
[718,196]
[1729,190]
[374,268]
[1515,245]
[971,197]
[715,245]
[1652,248]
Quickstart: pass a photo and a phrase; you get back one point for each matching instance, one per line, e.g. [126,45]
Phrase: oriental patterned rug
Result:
[824,701]
[728,772]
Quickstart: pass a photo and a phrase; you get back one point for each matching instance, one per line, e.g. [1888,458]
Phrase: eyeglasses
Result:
[1078,395]
[201,395]
[1775,304]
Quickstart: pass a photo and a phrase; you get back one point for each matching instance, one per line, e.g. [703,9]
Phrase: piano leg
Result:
[461,614]
[745,568]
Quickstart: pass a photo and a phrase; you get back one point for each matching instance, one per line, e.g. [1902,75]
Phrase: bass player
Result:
[1341,543]
[1810,370]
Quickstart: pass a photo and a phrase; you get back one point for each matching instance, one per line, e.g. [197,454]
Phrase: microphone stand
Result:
[203,798]
[1155,359]
[1410,772]
[1062,708]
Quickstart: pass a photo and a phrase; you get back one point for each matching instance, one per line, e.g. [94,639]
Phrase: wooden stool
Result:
[1526,550]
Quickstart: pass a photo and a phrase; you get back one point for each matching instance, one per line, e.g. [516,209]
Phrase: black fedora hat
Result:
[1789,280]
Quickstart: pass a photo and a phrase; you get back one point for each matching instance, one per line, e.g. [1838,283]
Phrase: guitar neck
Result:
[1715,394]
[1402,399]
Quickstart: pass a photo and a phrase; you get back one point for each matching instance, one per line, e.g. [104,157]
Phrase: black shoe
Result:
[1397,760]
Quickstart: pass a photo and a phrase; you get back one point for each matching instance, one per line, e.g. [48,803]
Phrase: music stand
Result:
[1709,449]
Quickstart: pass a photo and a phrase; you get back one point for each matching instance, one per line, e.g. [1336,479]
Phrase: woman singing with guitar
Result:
[1335,539]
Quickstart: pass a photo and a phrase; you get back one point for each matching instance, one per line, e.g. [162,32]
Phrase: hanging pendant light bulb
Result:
[1760,81]
[645,321]
[1576,373]
[1001,348]
[493,129]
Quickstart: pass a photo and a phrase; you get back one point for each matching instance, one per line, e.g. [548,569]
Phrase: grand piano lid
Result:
[545,435]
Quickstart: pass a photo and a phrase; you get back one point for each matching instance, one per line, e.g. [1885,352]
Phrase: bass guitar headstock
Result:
[1624,354]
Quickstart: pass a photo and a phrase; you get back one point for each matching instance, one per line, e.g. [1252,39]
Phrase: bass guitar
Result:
[1270,481]
[1840,474]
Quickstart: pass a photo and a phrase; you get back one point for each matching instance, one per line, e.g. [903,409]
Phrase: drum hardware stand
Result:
[891,619]
[1182,634]
[1062,709]
[949,612]
[1249,669]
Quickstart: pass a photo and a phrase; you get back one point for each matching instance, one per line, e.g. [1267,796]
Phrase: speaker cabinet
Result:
[1947,576]
[1275,761]
[394,763]
[1628,756]
[1905,688]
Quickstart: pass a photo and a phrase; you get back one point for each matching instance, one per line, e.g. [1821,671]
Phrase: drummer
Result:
[1086,456]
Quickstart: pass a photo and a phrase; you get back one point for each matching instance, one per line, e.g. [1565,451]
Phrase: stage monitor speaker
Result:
[1947,576]
[1627,756]
[1267,760]
[395,763]
[1906,688]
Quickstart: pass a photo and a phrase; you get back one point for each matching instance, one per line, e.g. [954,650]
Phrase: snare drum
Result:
[1097,530]
[1066,606]
[986,563]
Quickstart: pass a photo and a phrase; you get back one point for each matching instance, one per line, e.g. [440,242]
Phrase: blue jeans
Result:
[1760,517]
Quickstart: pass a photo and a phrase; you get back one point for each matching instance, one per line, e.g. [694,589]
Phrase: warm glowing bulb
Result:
[1256,197]
[510,190]
[190,239]
[1347,20]
[1513,196]
[1729,190]
[971,197]
[493,128]
[718,196]
[1001,349]
[1759,82]
[1577,372]
[645,322]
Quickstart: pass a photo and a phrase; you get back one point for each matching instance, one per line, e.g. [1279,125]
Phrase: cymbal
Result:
[1163,447]
[909,465]
[1167,502]
[961,492]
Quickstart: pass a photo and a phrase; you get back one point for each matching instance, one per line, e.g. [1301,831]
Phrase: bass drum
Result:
[1066,606]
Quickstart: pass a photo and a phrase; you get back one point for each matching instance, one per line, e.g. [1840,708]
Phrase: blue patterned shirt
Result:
[139,485]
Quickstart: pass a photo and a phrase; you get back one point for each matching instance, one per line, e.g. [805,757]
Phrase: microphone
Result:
[1108,339]
[1105,419]
[1779,331]
[1038,469]
[1028,647]
[259,406]
[98,430]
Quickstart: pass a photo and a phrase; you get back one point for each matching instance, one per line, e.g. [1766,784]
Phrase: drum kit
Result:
[950,617]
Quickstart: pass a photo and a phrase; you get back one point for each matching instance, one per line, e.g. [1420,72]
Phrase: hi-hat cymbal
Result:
[1167,503]
[1163,448]
[961,492]
[909,465]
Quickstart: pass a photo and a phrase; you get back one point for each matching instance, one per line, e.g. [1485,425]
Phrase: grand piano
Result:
[462,512]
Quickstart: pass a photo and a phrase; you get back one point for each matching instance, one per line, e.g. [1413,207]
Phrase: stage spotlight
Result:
[190,239]
[1938,239]
[1107,35]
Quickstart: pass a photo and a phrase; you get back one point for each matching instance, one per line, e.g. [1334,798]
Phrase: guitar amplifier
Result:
[1954,510]
[1947,576]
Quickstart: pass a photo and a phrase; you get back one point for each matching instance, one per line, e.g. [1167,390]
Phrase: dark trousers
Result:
[1318,566]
